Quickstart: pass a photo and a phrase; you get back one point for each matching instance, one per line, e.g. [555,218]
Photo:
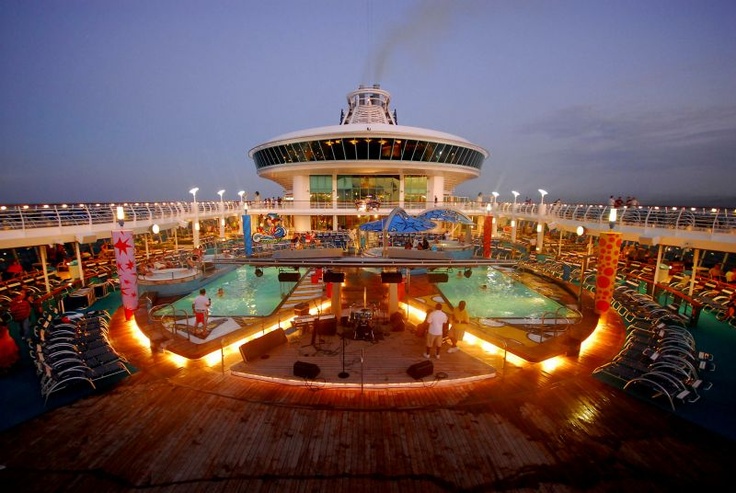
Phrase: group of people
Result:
[620,202]
[439,325]
[20,311]
[716,273]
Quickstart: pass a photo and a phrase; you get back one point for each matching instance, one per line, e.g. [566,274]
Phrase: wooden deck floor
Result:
[191,428]
[186,427]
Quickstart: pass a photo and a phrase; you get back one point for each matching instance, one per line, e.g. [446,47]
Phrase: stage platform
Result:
[368,364]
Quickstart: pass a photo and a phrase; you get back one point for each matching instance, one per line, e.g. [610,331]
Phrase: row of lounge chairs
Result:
[659,357]
[714,296]
[73,349]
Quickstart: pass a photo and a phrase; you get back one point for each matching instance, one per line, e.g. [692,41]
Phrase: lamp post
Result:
[240,194]
[495,197]
[542,193]
[222,214]
[195,222]
[513,216]
[612,218]
[120,215]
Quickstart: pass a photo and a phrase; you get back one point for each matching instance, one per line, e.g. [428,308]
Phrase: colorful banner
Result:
[124,246]
[487,236]
[609,249]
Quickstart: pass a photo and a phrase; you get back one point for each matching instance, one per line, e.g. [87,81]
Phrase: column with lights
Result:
[124,246]
[609,249]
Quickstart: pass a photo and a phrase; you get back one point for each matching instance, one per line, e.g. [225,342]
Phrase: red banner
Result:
[122,242]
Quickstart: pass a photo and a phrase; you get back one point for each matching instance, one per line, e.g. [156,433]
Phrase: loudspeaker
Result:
[436,277]
[306,370]
[420,370]
[252,350]
[289,277]
[330,276]
[326,326]
[391,277]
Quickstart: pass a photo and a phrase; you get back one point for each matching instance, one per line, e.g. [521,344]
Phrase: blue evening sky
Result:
[141,100]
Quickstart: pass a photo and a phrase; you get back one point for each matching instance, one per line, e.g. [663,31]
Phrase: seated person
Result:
[716,272]
[422,328]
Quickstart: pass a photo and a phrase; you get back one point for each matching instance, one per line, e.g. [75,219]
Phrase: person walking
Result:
[437,320]
[201,308]
[460,320]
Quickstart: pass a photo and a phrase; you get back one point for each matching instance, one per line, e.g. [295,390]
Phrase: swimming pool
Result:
[244,294]
[503,297]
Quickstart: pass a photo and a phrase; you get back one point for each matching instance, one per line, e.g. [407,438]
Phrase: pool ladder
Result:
[168,321]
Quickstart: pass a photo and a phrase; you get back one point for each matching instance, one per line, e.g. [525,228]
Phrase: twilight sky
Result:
[142,100]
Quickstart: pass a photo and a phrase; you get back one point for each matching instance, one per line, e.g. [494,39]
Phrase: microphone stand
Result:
[343,373]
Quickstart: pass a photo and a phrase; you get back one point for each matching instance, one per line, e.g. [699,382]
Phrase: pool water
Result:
[502,297]
[244,294]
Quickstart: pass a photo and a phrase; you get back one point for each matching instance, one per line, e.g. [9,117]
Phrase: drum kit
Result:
[362,321]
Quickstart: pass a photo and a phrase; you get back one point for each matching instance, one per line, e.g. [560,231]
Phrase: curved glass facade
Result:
[368,147]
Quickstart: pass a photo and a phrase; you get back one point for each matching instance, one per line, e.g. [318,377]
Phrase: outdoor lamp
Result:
[241,193]
[155,229]
[543,193]
[220,193]
[580,230]
[120,215]
[495,196]
[612,218]
[194,191]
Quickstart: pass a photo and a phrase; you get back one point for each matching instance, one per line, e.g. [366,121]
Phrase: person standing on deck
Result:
[460,320]
[437,320]
[201,308]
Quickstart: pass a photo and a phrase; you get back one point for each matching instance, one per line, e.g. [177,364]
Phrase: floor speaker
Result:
[306,370]
[420,370]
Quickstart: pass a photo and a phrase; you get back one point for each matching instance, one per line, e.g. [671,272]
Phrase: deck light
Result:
[120,215]
[155,229]
[612,218]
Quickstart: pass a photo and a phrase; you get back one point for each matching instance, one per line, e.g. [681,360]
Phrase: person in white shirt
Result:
[201,308]
[437,320]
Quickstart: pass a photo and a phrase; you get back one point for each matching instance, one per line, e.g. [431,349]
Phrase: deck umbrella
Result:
[398,221]
[445,215]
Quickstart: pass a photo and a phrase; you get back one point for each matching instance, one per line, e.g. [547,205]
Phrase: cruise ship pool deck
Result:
[483,422]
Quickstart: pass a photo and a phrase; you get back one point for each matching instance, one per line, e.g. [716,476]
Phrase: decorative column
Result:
[247,236]
[609,249]
[122,241]
[393,298]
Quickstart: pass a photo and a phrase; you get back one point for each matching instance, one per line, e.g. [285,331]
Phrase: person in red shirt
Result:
[14,269]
